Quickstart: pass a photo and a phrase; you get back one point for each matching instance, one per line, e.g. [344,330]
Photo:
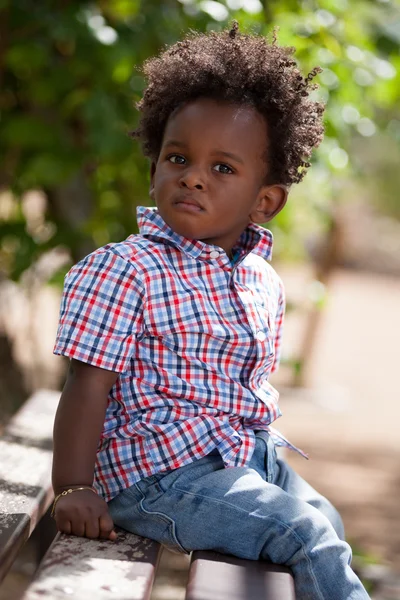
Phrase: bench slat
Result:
[25,468]
[214,576]
[100,569]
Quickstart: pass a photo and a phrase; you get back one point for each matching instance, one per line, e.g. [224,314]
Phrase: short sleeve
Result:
[101,312]
[279,318]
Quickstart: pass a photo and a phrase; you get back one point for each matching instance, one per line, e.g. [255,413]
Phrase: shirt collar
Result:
[254,238]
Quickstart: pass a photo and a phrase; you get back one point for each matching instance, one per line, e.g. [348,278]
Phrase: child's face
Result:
[208,181]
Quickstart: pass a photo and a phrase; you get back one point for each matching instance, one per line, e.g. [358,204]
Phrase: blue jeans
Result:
[263,511]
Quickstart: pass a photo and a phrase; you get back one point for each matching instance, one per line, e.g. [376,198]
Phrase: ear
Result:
[271,199]
[152,174]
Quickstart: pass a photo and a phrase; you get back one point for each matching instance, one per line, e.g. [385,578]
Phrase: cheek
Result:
[164,177]
[242,191]
[160,183]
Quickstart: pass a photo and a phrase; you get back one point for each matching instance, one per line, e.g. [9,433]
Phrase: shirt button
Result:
[214,254]
[261,336]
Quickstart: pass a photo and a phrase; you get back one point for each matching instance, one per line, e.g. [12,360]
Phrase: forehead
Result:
[233,126]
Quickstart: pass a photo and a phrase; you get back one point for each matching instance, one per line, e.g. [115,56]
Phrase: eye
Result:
[176,159]
[224,169]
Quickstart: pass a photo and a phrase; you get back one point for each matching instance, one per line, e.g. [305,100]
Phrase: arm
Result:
[100,319]
[78,425]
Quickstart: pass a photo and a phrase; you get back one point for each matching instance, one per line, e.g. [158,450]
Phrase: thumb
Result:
[107,527]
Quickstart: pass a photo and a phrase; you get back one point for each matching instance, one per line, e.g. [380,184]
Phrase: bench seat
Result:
[100,569]
[25,473]
[215,576]
[125,569]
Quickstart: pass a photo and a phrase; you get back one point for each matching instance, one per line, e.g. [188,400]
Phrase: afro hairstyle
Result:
[244,69]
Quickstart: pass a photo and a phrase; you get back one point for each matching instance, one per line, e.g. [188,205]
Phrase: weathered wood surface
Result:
[25,470]
[79,568]
[214,576]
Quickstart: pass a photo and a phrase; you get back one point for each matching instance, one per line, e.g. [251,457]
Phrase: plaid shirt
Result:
[194,339]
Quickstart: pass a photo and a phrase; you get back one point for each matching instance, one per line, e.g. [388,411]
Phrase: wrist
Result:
[68,491]
[59,489]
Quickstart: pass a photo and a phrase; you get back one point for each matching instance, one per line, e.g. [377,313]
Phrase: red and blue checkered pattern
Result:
[194,339]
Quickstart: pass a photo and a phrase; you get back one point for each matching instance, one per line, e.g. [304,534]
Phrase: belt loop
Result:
[271,458]
[269,454]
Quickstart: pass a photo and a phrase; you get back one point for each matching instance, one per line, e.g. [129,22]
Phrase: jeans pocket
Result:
[156,524]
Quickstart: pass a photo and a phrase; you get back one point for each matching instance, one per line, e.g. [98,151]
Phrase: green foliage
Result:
[71,76]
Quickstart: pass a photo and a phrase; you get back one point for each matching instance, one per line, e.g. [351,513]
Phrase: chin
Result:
[188,232]
[185,229]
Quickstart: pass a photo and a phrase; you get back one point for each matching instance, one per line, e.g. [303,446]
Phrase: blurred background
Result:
[71,177]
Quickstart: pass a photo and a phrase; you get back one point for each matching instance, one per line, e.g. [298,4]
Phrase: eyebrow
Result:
[182,145]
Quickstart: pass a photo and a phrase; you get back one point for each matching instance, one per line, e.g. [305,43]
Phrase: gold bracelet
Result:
[69,491]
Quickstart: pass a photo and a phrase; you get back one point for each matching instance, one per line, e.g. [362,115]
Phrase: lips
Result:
[188,203]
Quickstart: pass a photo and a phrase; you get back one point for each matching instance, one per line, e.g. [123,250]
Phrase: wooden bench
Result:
[80,568]
[25,474]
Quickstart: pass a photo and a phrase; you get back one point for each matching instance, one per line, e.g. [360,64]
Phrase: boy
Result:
[164,422]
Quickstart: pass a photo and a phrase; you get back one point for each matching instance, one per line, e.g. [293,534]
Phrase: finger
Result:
[92,529]
[107,527]
[78,528]
[64,526]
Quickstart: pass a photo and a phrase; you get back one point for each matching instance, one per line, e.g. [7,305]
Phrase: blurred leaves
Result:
[70,78]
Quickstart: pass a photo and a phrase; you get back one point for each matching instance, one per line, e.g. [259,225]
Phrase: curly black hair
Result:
[242,69]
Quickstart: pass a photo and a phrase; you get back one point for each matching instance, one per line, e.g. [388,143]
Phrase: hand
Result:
[84,514]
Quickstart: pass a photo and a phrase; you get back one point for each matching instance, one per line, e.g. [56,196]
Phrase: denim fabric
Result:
[263,511]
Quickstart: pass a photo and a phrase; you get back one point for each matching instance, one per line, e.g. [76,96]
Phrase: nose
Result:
[192,179]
